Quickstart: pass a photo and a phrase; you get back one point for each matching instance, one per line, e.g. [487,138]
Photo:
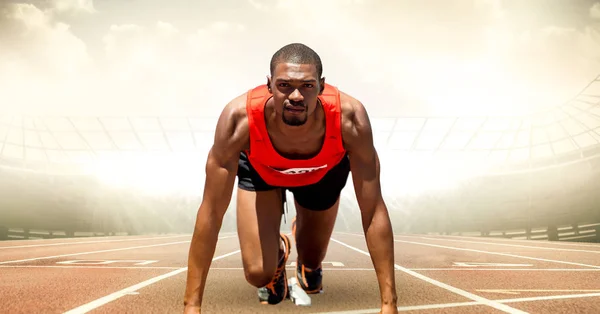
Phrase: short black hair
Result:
[297,53]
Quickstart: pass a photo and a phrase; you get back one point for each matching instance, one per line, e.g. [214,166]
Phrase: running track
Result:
[434,274]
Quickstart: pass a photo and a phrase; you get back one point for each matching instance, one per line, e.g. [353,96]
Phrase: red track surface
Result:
[434,275]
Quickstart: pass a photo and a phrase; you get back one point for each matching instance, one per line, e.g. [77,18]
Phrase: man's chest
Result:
[301,147]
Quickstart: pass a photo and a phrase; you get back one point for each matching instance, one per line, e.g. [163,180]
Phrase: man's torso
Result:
[283,160]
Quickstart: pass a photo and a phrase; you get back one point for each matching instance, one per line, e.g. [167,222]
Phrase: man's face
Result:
[295,88]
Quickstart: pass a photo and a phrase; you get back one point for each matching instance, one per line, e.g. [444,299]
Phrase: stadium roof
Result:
[546,136]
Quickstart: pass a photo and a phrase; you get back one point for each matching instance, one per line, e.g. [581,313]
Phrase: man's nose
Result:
[296,95]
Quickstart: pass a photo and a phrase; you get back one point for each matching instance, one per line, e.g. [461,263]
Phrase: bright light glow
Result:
[413,173]
[471,87]
[153,173]
[403,173]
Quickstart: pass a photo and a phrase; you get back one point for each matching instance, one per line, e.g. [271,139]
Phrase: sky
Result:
[189,58]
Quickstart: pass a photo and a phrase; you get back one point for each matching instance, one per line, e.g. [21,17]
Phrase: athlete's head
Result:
[295,82]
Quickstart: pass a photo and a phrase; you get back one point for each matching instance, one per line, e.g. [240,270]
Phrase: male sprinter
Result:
[299,134]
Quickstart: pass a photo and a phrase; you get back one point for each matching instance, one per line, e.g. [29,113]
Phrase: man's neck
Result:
[312,122]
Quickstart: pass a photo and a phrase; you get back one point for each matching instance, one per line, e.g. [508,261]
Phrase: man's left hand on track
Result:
[389,309]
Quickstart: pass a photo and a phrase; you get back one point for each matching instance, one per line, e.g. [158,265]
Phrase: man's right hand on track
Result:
[389,309]
[191,309]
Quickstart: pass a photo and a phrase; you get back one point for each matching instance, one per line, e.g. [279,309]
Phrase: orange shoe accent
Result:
[281,268]
[304,276]
[302,280]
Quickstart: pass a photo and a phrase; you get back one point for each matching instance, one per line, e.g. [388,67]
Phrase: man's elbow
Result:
[208,219]
[375,214]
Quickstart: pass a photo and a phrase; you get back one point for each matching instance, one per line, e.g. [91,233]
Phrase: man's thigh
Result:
[258,222]
[259,211]
[316,212]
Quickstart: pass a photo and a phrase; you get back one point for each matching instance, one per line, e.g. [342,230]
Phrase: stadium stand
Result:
[530,177]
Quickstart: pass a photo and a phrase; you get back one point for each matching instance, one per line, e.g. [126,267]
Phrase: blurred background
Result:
[486,114]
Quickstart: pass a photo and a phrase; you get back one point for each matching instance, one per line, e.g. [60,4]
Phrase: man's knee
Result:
[257,275]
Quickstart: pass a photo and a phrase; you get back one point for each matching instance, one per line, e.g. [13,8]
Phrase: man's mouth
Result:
[295,108]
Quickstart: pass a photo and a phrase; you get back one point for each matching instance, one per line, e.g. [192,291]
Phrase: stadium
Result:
[485,116]
[530,177]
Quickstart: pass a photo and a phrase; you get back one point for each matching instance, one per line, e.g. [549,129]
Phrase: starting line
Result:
[518,291]
[469,303]
[106,262]
[147,262]
[472,264]
[292,264]
[333,264]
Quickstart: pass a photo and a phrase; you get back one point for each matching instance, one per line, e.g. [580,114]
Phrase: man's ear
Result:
[269,84]
[321,85]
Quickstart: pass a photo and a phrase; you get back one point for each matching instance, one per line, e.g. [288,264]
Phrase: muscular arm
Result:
[364,164]
[231,136]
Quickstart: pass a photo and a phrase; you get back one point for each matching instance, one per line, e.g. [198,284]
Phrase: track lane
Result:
[226,285]
[26,289]
[474,281]
[474,297]
[417,254]
[345,291]
[536,244]
[39,253]
[173,255]
[27,244]
[582,257]
[540,243]
[586,304]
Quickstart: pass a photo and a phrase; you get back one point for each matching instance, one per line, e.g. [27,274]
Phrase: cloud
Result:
[45,69]
[595,11]
[454,58]
[161,69]
[73,6]
[257,4]
[400,58]
[36,54]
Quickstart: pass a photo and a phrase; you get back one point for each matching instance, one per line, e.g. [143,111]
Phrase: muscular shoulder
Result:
[231,133]
[356,127]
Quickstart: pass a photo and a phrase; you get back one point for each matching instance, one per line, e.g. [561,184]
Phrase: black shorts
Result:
[318,196]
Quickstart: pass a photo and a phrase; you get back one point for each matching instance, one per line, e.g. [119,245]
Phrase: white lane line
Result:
[476,238]
[459,304]
[560,243]
[505,269]
[505,244]
[408,308]
[88,242]
[132,289]
[162,267]
[482,300]
[92,252]
[492,253]
[88,267]
[328,269]
[292,267]
[551,297]
[518,291]
[497,253]
[101,251]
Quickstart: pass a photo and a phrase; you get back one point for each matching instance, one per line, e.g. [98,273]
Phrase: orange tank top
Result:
[276,170]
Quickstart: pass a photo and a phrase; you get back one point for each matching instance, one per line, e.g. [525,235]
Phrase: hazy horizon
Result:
[401,58]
